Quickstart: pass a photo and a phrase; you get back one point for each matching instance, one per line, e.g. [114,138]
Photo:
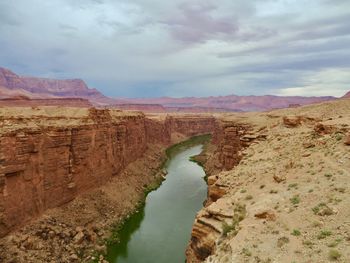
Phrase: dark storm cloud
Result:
[197,47]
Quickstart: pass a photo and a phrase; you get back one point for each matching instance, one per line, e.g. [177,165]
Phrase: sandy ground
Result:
[295,186]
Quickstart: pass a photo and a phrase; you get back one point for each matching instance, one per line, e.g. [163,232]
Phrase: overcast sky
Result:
[144,48]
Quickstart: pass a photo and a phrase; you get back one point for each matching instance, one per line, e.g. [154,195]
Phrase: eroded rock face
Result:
[46,166]
[229,138]
[192,124]
[210,222]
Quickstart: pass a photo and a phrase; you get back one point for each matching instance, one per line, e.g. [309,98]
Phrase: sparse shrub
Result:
[333,244]
[340,189]
[308,243]
[226,228]
[296,232]
[295,200]
[239,214]
[249,197]
[339,137]
[334,254]
[322,210]
[246,252]
[295,185]
[324,233]
[243,191]
[316,224]
[273,192]
[282,241]
[328,175]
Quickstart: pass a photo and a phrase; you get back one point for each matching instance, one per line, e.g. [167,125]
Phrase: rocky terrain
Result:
[281,192]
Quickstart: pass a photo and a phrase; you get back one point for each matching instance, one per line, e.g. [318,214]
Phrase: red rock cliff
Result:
[48,159]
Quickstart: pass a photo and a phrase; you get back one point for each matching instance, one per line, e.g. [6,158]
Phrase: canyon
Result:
[45,163]
[62,167]
[68,174]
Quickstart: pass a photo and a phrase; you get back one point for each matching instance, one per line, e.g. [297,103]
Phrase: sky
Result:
[153,48]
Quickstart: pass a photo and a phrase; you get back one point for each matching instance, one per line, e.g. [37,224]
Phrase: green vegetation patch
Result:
[334,254]
[240,213]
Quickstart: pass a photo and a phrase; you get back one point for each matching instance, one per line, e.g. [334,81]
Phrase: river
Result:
[160,231]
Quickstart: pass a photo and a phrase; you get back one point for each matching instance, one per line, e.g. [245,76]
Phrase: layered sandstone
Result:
[51,155]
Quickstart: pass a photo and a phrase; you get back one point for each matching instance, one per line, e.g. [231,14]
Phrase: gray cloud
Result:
[196,23]
[180,48]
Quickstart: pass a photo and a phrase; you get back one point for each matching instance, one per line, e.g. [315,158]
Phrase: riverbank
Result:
[80,230]
[149,235]
[121,230]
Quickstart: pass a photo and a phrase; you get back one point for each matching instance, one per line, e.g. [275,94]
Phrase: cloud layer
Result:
[178,48]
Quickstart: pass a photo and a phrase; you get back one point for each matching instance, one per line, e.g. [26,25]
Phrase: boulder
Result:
[291,121]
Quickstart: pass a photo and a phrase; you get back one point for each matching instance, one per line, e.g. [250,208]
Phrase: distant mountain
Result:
[13,85]
[347,95]
[233,102]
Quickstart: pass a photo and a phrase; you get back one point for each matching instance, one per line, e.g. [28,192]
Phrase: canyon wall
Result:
[190,125]
[230,138]
[48,158]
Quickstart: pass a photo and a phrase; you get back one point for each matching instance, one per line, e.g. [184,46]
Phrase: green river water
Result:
[160,231]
